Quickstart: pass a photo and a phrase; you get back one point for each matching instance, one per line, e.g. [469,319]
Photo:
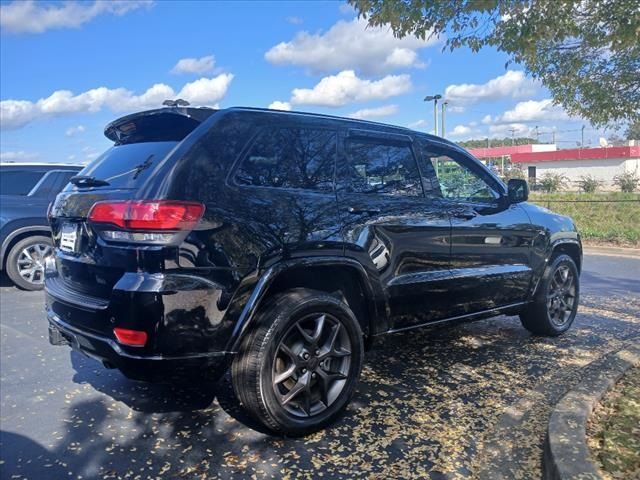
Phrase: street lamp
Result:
[435,99]
[444,110]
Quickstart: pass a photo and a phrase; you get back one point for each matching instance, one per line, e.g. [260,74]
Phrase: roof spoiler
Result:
[161,124]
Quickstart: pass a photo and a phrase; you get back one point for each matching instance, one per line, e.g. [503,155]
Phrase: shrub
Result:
[513,172]
[589,183]
[627,181]
[552,182]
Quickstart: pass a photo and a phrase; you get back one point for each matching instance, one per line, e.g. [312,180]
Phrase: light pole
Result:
[582,137]
[444,110]
[435,99]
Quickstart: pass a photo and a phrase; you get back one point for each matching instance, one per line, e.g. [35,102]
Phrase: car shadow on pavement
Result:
[425,402]
[161,397]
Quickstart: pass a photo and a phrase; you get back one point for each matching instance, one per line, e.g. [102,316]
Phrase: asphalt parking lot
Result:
[437,404]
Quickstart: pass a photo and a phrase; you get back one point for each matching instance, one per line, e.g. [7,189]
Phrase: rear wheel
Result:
[25,262]
[556,303]
[299,367]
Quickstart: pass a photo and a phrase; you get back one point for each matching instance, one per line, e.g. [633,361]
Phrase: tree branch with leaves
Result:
[586,52]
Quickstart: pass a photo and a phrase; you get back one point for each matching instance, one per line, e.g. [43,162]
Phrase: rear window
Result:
[128,166]
[18,182]
[290,158]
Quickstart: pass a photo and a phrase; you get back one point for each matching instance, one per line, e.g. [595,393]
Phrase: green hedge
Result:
[600,217]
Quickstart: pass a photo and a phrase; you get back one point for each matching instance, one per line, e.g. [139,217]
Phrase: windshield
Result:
[128,166]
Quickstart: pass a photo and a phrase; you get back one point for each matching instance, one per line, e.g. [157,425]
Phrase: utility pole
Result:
[582,137]
[435,99]
[553,135]
[513,131]
[537,135]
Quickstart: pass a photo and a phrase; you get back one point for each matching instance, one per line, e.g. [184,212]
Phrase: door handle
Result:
[358,210]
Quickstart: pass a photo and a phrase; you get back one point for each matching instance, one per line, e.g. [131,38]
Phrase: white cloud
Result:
[293,20]
[419,124]
[28,16]
[505,130]
[206,91]
[194,65]
[72,131]
[377,112]
[278,105]
[460,130]
[530,111]
[17,113]
[18,156]
[346,87]
[513,84]
[350,45]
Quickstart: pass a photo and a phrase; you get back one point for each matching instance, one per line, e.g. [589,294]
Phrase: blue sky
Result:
[67,69]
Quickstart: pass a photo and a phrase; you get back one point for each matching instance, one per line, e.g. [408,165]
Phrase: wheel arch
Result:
[570,247]
[19,234]
[344,278]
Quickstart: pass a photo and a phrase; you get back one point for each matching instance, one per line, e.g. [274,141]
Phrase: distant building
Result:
[535,161]
[601,163]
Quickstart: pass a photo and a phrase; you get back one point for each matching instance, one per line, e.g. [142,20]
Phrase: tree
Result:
[497,142]
[586,52]
[633,131]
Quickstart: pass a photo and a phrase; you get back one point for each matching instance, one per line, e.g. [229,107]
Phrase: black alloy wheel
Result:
[311,365]
[561,295]
[299,365]
[555,303]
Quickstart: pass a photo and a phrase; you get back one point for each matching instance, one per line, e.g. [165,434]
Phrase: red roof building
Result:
[601,163]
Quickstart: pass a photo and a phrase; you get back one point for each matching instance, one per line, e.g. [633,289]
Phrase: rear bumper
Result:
[151,368]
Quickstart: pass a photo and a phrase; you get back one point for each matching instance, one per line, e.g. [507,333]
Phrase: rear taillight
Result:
[154,221]
[132,338]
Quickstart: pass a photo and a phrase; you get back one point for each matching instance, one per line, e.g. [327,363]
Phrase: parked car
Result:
[279,244]
[26,189]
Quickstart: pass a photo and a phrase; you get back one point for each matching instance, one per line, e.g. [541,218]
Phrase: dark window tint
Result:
[18,182]
[290,158]
[128,165]
[380,168]
[53,182]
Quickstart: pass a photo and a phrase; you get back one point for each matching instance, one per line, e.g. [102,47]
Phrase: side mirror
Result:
[518,190]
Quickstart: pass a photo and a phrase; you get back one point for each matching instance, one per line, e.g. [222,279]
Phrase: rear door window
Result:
[129,165]
[18,182]
[287,157]
[381,168]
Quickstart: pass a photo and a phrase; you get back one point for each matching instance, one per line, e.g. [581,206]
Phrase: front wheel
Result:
[556,302]
[298,368]
[25,262]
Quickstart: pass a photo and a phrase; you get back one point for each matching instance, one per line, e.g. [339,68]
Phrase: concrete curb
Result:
[566,454]
[614,251]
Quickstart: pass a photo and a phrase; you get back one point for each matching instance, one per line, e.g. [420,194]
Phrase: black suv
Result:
[26,189]
[279,244]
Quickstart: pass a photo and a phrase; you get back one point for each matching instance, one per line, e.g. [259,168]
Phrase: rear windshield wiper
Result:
[87,181]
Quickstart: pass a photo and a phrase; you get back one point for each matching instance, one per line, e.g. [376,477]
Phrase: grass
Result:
[614,429]
[604,218]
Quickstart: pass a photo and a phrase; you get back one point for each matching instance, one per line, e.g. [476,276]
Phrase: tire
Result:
[555,305]
[29,251]
[276,383]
